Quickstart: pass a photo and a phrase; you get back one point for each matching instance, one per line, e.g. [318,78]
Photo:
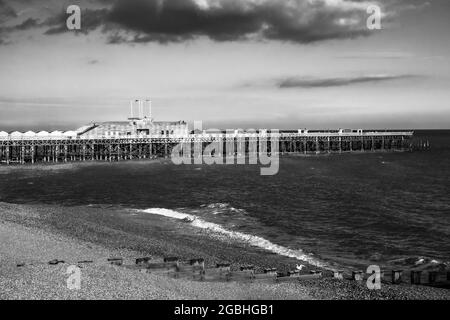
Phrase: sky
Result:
[229,63]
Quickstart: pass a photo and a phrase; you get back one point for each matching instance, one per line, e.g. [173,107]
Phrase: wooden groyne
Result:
[196,270]
[21,149]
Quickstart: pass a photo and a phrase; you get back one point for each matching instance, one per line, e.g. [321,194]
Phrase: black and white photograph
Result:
[231,154]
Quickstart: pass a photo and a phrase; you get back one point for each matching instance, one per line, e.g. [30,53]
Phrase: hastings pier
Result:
[140,137]
[15,149]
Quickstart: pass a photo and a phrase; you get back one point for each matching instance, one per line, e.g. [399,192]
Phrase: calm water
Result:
[345,209]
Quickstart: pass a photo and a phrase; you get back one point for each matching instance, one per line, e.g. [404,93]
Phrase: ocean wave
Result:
[252,240]
[222,207]
[420,263]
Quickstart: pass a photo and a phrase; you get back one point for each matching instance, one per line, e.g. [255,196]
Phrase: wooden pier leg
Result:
[131,151]
[165,148]
[373,144]
[32,153]
[340,144]
[22,154]
[7,153]
[328,145]
[317,145]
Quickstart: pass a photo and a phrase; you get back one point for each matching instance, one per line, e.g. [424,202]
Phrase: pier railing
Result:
[207,135]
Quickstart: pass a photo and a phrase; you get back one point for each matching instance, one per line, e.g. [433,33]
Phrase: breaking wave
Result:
[219,208]
[253,240]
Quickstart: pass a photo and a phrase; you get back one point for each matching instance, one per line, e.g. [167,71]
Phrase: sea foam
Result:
[252,240]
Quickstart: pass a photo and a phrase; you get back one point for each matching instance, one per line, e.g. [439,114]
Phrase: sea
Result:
[338,210]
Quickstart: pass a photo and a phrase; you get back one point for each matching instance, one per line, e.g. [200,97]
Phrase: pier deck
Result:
[22,149]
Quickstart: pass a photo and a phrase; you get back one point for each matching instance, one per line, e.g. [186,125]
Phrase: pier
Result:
[30,147]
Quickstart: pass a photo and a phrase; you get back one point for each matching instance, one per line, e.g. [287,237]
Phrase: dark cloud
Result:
[335,82]
[27,24]
[297,21]
[6,11]
[222,20]
[93,61]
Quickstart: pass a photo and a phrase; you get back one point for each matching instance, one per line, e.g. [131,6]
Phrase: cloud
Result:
[25,25]
[377,55]
[299,21]
[335,82]
[224,20]
[6,11]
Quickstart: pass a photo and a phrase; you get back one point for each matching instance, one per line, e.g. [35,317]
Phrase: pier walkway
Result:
[24,148]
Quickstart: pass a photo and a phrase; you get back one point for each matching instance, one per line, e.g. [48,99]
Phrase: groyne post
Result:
[416,277]
[432,276]
[357,275]
[397,276]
